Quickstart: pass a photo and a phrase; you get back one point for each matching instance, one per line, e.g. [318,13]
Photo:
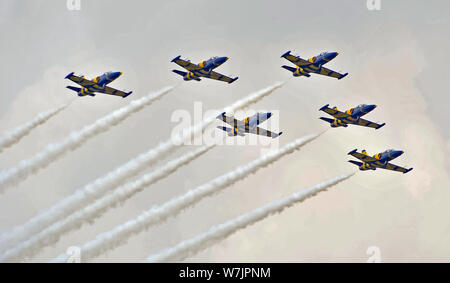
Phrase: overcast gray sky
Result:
[396,57]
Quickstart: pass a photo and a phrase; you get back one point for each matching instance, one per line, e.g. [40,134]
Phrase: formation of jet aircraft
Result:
[247,126]
[97,84]
[379,160]
[250,125]
[352,116]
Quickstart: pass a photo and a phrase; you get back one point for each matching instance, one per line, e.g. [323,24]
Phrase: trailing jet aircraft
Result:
[203,69]
[352,116]
[248,125]
[312,65]
[379,160]
[97,84]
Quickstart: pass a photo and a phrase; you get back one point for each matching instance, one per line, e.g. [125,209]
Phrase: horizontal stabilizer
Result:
[351,152]
[329,120]
[224,129]
[355,162]
[181,73]
[292,69]
[77,89]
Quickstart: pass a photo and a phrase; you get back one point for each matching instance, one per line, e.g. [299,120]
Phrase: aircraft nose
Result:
[222,60]
[370,107]
[115,75]
[332,55]
[397,153]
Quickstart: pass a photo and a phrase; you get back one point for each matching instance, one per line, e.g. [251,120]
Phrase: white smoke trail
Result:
[97,188]
[218,233]
[51,235]
[54,151]
[13,136]
[121,233]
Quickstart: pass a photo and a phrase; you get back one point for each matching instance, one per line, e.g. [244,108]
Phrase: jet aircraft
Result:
[379,160]
[203,69]
[312,65]
[248,125]
[97,84]
[352,116]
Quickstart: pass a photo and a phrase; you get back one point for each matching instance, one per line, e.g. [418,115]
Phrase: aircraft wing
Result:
[393,167]
[330,73]
[188,65]
[263,132]
[365,123]
[229,120]
[362,157]
[295,59]
[216,76]
[113,91]
[334,112]
[79,80]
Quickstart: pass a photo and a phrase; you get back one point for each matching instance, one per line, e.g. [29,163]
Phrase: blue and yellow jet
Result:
[97,84]
[203,69]
[379,160]
[352,116]
[247,126]
[312,65]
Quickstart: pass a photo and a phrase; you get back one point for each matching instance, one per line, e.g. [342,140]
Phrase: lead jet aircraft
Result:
[351,116]
[97,84]
[312,65]
[203,69]
[379,160]
[248,125]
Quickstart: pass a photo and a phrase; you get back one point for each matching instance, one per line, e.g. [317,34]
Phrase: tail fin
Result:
[292,69]
[357,163]
[324,107]
[329,120]
[176,58]
[77,89]
[286,54]
[221,115]
[181,73]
